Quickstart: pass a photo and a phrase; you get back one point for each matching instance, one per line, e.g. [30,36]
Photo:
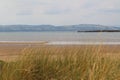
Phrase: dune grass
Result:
[63,63]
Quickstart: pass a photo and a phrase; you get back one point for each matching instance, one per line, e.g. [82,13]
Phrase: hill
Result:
[39,28]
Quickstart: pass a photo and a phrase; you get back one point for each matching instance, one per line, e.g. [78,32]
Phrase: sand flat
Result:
[9,51]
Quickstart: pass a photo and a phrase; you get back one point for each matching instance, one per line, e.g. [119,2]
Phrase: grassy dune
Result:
[62,63]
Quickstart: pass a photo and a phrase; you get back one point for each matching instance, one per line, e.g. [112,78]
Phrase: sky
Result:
[60,12]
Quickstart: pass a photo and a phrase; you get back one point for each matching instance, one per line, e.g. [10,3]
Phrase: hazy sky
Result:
[60,12]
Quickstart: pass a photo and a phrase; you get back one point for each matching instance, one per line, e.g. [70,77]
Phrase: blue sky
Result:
[60,12]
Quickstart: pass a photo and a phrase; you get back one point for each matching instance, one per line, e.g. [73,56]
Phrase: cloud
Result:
[59,12]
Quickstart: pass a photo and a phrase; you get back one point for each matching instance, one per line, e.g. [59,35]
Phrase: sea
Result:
[62,37]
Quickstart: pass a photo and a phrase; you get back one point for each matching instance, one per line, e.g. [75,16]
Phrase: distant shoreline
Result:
[41,28]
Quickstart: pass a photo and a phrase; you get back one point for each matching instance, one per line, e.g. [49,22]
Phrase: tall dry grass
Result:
[62,63]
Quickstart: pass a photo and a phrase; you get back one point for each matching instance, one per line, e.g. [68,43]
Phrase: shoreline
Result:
[19,42]
[60,42]
[82,43]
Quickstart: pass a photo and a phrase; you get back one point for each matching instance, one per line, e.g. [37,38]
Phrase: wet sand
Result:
[10,51]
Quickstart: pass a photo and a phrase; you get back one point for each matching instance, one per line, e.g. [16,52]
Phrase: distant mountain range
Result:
[39,28]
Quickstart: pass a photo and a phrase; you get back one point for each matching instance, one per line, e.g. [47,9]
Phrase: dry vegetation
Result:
[63,63]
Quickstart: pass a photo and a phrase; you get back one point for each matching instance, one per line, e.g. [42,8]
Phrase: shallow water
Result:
[62,37]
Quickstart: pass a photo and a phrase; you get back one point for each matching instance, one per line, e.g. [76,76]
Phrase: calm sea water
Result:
[63,37]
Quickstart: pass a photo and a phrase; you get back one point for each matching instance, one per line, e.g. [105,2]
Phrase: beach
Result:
[11,50]
[45,61]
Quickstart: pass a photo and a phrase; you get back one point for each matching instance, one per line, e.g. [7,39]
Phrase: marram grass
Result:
[52,63]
